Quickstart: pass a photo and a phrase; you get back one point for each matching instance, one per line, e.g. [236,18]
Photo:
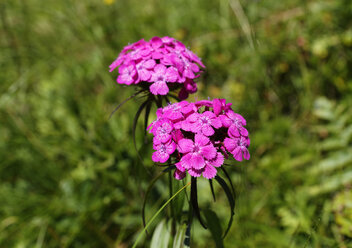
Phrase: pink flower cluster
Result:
[159,62]
[199,136]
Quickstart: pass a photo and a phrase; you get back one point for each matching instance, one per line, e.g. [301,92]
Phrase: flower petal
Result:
[194,172]
[230,144]
[201,140]
[207,130]
[218,161]
[209,152]
[159,88]
[179,175]
[209,172]
[197,161]
[185,145]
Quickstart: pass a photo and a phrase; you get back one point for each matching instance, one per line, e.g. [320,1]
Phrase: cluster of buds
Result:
[160,65]
[199,136]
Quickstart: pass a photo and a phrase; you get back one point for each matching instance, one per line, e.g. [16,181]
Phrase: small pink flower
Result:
[163,151]
[127,74]
[238,147]
[144,69]
[196,152]
[202,123]
[160,76]
[235,122]
[163,132]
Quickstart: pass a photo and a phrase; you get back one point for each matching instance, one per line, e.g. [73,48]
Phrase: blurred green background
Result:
[69,177]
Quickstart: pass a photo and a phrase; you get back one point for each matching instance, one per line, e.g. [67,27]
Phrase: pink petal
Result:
[209,152]
[194,68]
[185,125]
[201,140]
[197,161]
[209,172]
[173,115]
[185,145]
[233,131]
[217,106]
[179,175]
[194,172]
[144,75]
[167,39]
[191,86]
[188,73]
[156,42]
[160,69]
[230,144]
[216,122]
[157,55]
[218,161]
[246,153]
[180,167]
[186,161]
[226,121]
[180,46]
[167,127]
[156,140]
[159,88]
[163,157]
[171,74]
[193,117]
[209,114]
[207,130]
[237,154]
[125,79]
[171,147]
[155,157]
[149,64]
[243,131]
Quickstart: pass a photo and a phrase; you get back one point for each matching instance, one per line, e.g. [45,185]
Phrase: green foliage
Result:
[72,178]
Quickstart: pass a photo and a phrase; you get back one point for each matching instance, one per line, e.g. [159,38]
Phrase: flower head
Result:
[158,65]
[199,136]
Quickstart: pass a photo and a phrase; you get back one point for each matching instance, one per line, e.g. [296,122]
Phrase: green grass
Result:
[69,177]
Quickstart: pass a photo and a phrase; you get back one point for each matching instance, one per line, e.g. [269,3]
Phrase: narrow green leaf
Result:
[124,101]
[230,198]
[214,226]
[230,181]
[180,237]
[158,212]
[212,189]
[139,111]
[146,118]
[146,196]
[161,235]
[194,201]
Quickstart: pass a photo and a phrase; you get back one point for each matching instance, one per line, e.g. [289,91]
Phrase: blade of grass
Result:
[124,101]
[158,212]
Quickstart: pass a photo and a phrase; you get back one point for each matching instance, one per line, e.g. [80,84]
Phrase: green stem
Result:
[172,213]
[157,213]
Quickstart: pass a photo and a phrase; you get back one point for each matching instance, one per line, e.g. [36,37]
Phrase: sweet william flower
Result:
[196,152]
[160,77]
[158,65]
[202,123]
[238,147]
[127,74]
[163,151]
[202,139]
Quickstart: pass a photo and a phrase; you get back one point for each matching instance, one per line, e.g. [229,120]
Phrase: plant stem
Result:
[157,213]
